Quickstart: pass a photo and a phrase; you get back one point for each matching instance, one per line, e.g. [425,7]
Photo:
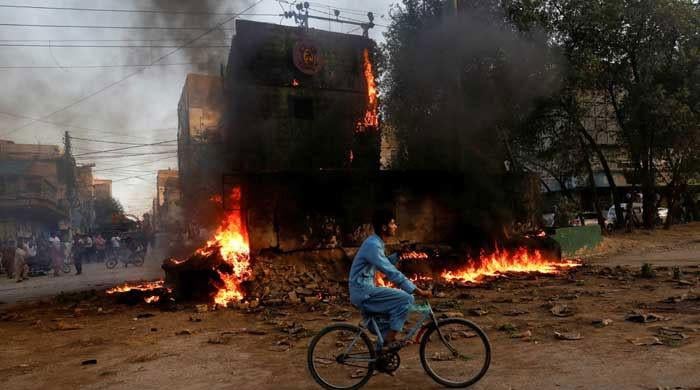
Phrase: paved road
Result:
[94,276]
[683,254]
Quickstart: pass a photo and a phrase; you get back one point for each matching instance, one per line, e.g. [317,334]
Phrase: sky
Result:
[49,88]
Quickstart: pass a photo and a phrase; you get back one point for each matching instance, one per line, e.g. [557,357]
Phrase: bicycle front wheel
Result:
[341,356]
[460,357]
[111,263]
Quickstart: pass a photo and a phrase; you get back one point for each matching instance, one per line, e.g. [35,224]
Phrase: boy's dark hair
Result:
[381,218]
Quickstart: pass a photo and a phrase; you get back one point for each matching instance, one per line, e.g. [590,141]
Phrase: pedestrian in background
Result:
[100,245]
[21,268]
[56,254]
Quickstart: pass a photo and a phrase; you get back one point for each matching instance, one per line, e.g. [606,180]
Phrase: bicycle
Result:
[136,257]
[448,347]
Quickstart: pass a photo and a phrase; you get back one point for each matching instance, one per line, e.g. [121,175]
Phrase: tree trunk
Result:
[594,188]
[608,173]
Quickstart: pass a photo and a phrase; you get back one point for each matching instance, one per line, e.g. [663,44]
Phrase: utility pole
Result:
[301,17]
[67,145]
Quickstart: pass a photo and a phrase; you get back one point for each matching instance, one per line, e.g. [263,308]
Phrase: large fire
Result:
[502,262]
[371,118]
[496,264]
[231,240]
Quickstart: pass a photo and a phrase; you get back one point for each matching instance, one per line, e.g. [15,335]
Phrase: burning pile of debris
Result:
[222,272]
[219,270]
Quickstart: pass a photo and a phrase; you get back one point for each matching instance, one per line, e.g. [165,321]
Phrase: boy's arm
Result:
[380,260]
[393,258]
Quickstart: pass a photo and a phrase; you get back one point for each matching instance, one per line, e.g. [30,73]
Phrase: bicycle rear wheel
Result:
[341,356]
[461,359]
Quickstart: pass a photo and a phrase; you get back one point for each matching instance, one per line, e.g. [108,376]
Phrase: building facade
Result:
[32,190]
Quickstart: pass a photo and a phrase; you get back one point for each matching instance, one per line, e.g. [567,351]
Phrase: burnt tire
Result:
[480,342]
[334,333]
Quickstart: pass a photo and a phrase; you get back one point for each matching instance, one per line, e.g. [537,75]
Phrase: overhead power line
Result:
[90,129]
[130,75]
[134,165]
[94,66]
[110,142]
[127,147]
[149,11]
[87,26]
[108,46]
[128,155]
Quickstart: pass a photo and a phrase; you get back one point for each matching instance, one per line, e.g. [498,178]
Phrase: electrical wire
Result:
[134,165]
[110,142]
[129,10]
[115,83]
[95,66]
[111,46]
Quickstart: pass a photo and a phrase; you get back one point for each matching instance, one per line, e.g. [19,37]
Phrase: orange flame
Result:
[413,255]
[379,280]
[231,240]
[142,286]
[371,118]
[295,83]
[502,261]
[152,299]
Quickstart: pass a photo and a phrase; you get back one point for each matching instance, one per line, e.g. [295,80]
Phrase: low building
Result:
[32,190]
[167,207]
[102,188]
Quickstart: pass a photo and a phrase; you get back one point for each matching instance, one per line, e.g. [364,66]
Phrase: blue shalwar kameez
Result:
[367,296]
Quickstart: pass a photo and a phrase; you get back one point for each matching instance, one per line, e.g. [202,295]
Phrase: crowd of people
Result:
[55,255]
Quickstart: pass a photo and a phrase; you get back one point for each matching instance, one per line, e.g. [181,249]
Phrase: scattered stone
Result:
[562,310]
[442,357]
[570,336]
[202,308]
[144,315]
[507,327]
[304,291]
[88,362]
[312,300]
[184,332]
[672,337]
[645,341]
[293,298]
[219,340]
[479,312]
[602,323]
[641,317]
[154,329]
[195,319]
[515,312]
[254,332]
[61,325]
[526,335]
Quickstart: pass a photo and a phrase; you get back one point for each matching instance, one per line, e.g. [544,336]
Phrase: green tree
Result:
[108,212]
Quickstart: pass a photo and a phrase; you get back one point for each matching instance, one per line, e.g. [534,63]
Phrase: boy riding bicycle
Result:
[368,297]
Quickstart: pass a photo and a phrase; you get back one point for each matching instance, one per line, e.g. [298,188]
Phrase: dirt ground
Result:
[45,343]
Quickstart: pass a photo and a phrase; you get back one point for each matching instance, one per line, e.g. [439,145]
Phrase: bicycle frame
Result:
[417,331]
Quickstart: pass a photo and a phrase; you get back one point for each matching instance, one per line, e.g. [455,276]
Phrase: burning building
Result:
[296,151]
